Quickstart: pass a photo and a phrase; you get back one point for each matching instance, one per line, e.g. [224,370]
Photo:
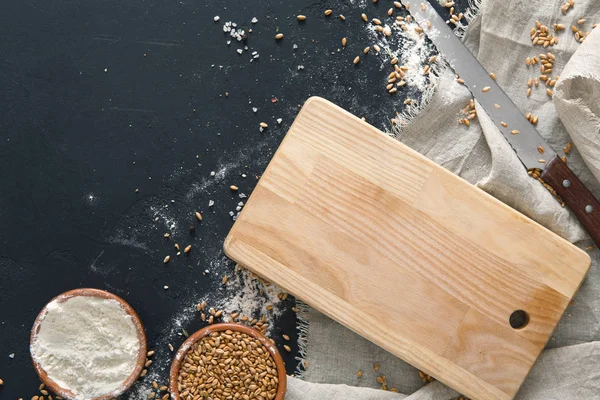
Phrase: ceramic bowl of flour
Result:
[88,344]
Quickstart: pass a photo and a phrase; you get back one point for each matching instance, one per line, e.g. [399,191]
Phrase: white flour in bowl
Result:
[88,345]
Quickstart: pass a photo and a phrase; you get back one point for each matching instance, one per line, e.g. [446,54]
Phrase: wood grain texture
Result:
[405,253]
[574,193]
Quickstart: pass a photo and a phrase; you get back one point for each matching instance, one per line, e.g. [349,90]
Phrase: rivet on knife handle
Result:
[574,193]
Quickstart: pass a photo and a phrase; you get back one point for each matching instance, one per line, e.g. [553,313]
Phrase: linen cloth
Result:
[499,37]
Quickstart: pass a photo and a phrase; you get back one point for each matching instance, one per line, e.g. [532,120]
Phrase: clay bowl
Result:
[141,359]
[180,355]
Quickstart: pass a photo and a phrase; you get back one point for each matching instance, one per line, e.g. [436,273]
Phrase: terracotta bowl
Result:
[180,355]
[141,359]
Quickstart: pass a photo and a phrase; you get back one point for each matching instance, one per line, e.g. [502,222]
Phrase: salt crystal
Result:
[212,173]
[242,196]
[240,51]
[244,175]
[231,213]
[238,208]
[279,120]
[254,20]
[254,109]
[295,47]
[166,287]
[211,203]
[11,355]
[217,18]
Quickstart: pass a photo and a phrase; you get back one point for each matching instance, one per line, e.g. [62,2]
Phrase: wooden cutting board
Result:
[405,253]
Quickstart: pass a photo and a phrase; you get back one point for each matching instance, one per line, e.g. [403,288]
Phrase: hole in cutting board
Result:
[518,319]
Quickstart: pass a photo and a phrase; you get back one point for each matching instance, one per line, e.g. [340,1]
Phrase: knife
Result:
[537,156]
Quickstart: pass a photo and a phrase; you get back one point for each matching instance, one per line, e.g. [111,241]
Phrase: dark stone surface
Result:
[101,98]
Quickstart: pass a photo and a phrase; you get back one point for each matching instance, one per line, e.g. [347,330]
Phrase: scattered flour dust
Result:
[250,296]
[240,157]
[411,49]
[161,214]
[87,345]
[120,238]
[244,293]
[207,182]
[414,52]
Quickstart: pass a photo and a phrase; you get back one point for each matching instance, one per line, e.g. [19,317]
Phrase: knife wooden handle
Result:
[574,193]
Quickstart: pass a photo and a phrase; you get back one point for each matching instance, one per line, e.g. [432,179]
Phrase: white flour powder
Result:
[411,48]
[87,344]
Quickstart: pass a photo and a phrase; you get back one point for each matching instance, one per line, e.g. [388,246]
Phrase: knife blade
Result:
[536,155]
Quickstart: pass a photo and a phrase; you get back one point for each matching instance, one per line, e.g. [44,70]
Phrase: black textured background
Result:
[76,141]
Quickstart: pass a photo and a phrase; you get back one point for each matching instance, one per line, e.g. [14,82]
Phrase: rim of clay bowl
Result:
[180,355]
[88,292]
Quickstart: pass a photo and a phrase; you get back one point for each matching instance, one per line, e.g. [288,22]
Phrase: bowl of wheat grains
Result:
[227,361]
